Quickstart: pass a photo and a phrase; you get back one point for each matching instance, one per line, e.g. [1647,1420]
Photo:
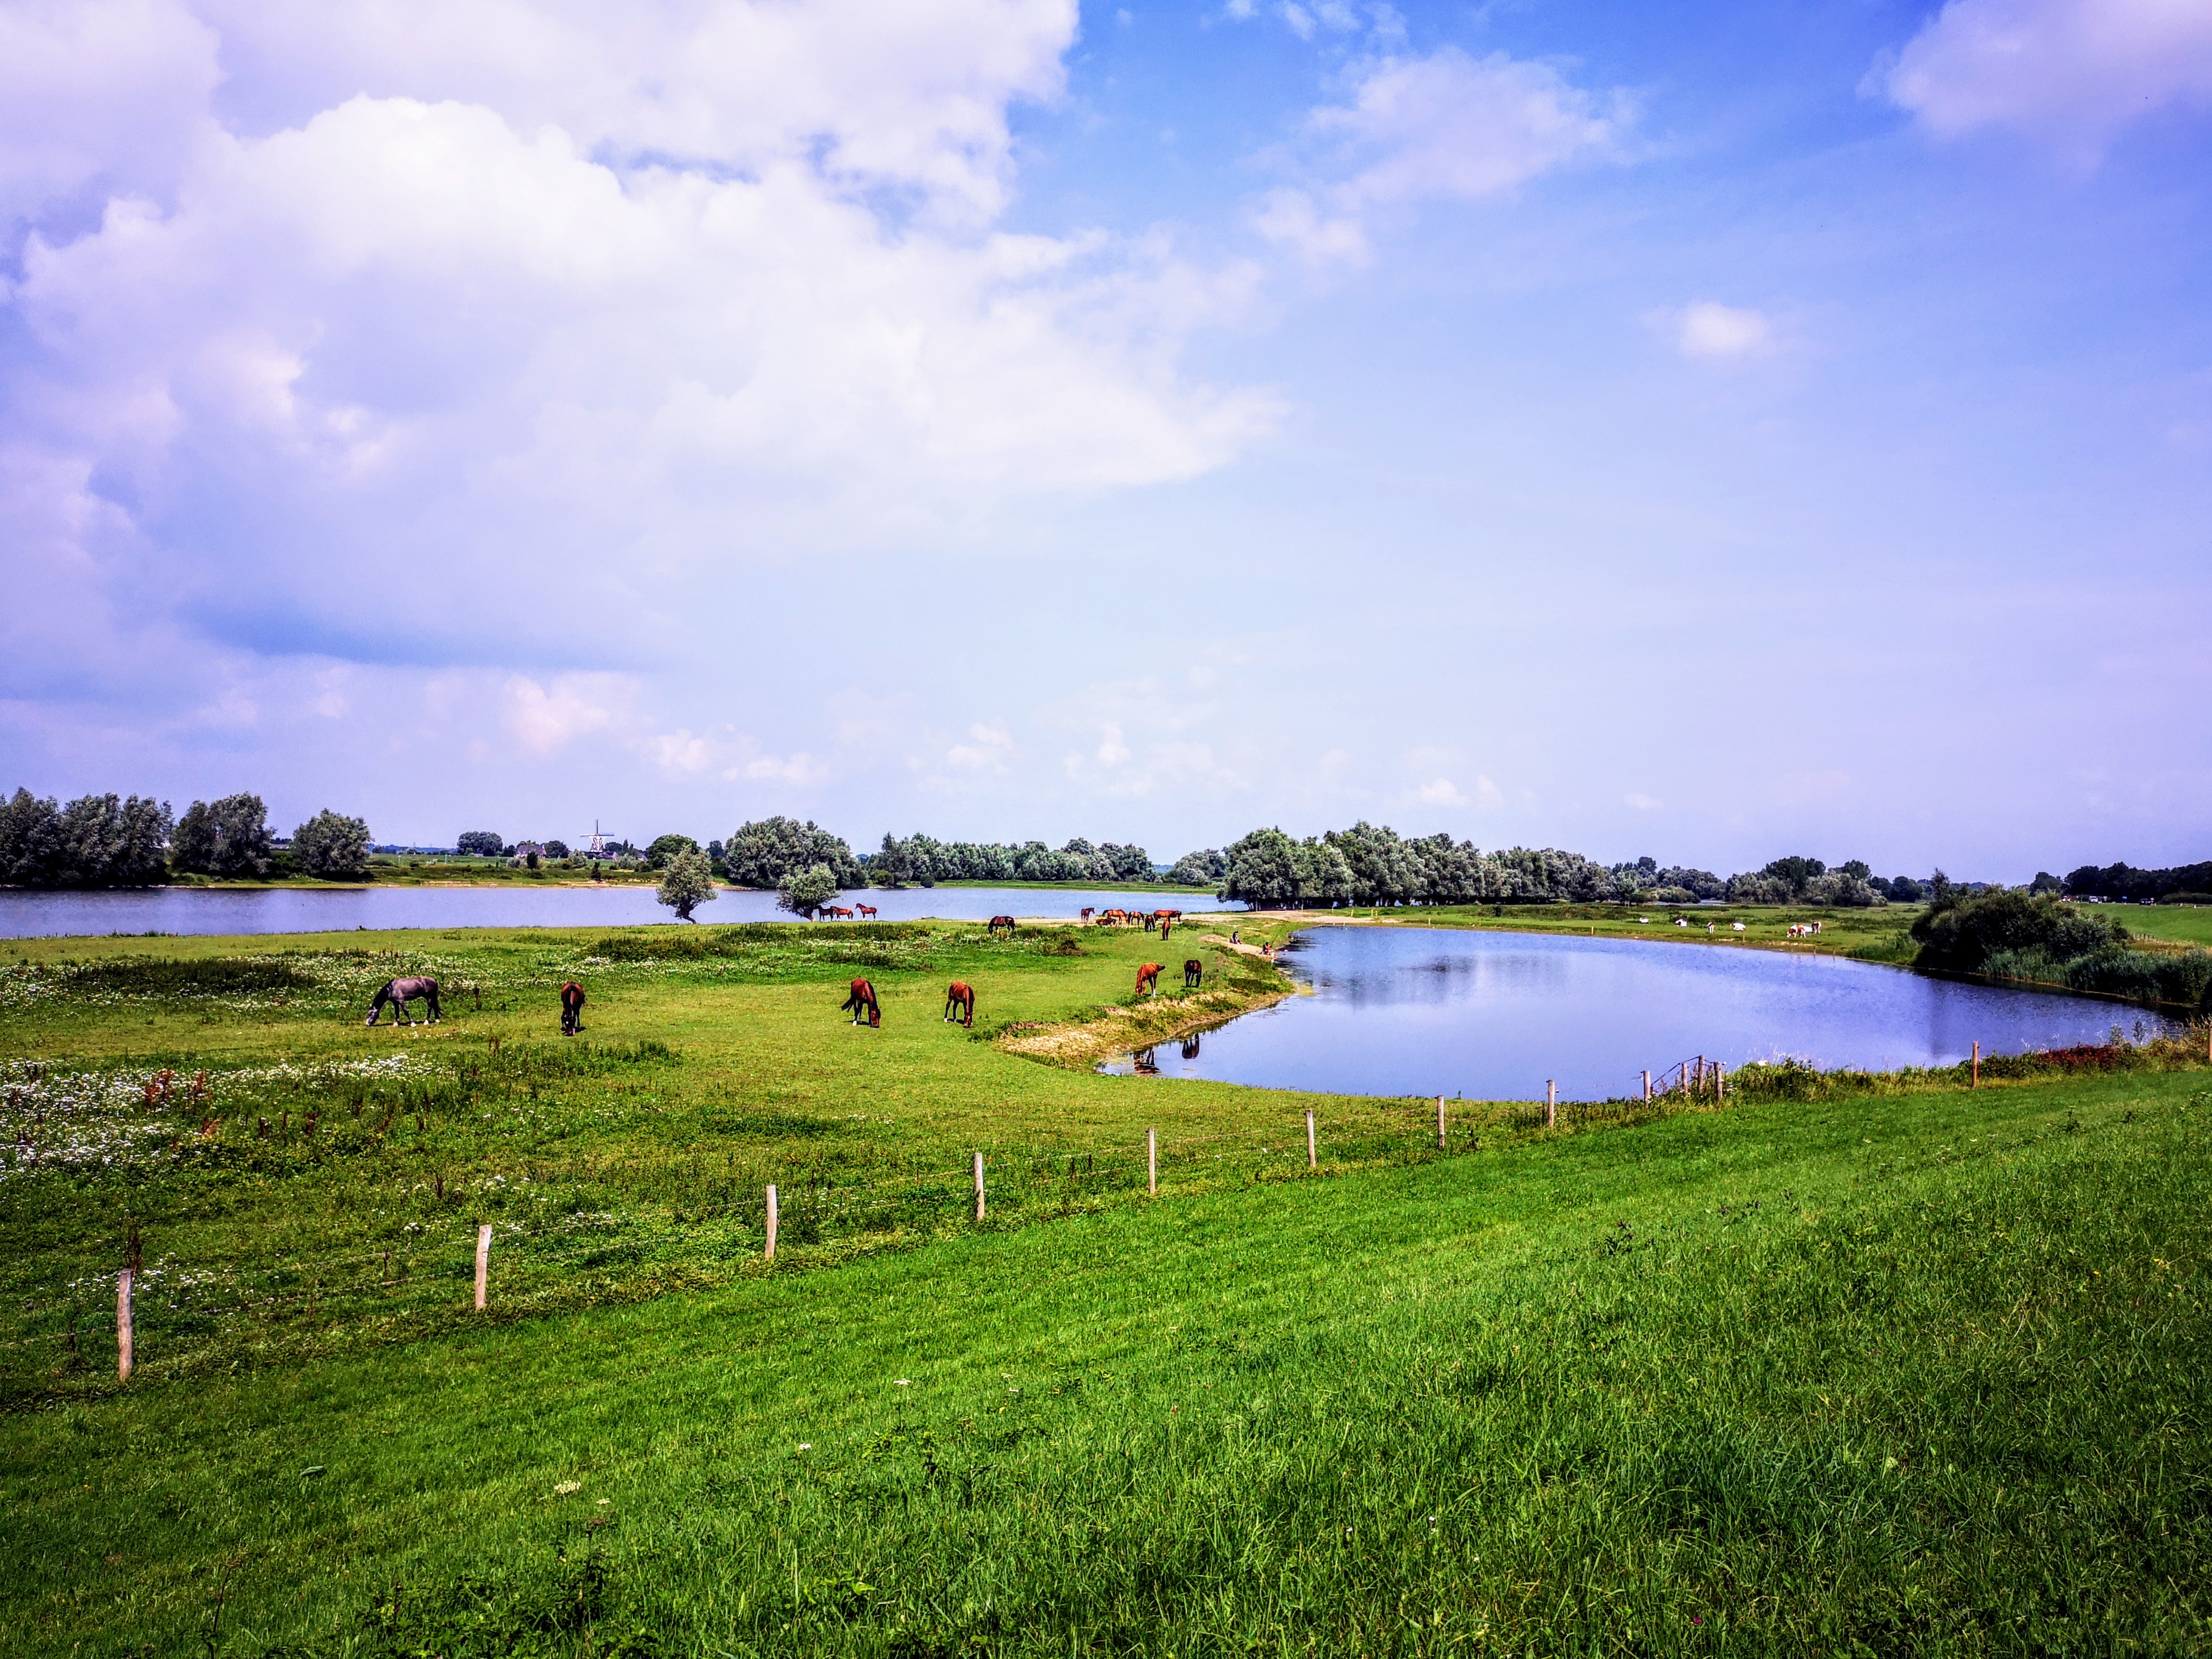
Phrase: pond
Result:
[1493,1016]
[321,910]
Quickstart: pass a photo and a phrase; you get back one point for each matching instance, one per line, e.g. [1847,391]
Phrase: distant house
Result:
[523,849]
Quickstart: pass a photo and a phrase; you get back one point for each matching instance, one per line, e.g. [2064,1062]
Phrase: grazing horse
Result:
[862,1002]
[866,909]
[1089,911]
[399,993]
[1166,927]
[997,922]
[960,1003]
[1148,978]
[1108,918]
[1193,972]
[572,1008]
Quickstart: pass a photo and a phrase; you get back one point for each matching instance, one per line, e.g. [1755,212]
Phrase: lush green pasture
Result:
[2182,924]
[1877,935]
[1920,1373]
[1900,1366]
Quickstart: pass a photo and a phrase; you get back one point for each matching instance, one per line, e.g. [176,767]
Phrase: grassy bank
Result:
[1893,1364]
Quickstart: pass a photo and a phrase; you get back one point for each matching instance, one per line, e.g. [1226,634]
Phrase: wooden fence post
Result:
[1720,1082]
[771,1223]
[979,1186]
[483,1263]
[1977,1066]
[1310,1162]
[1646,1088]
[122,1334]
[1440,1123]
[1551,1103]
[1152,1162]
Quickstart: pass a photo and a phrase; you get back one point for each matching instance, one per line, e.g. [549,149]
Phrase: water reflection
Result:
[1406,1010]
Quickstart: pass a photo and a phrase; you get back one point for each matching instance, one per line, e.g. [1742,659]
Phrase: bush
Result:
[2019,937]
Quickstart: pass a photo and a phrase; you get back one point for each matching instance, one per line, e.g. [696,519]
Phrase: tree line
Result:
[1369,863]
[2127,884]
[107,841]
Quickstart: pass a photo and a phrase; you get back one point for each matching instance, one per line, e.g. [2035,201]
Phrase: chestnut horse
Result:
[1089,911]
[572,1008]
[1148,978]
[960,1003]
[399,993]
[866,909]
[1193,972]
[862,1002]
[997,922]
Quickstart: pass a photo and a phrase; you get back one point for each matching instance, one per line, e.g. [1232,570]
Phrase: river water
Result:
[321,910]
[1493,1016]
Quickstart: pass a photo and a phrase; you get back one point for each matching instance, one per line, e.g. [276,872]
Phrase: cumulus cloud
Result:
[1443,126]
[2075,70]
[639,295]
[1710,329]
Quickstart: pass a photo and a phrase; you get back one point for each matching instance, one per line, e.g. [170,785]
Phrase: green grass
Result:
[1874,935]
[1912,1368]
[2179,924]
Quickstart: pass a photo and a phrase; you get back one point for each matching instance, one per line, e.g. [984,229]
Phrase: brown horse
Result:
[838,911]
[960,1003]
[399,993]
[1089,911]
[1193,972]
[572,1008]
[1150,923]
[866,909]
[1108,918]
[862,1003]
[997,922]
[1148,978]
[1166,927]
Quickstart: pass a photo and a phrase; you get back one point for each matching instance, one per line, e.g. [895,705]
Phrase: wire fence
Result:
[190,1318]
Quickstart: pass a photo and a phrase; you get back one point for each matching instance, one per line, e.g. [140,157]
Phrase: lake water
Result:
[1491,1016]
[321,910]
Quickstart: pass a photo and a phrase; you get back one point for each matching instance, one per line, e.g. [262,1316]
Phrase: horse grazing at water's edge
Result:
[572,1008]
[1089,911]
[997,922]
[960,1003]
[1193,972]
[862,1002]
[866,909]
[1148,978]
[1110,918]
[401,992]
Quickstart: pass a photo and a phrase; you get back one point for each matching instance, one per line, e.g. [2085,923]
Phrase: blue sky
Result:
[1709,431]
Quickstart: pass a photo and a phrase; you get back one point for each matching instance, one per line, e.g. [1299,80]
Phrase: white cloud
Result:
[548,717]
[1443,126]
[990,749]
[1452,126]
[644,294]
[1299,19]
[1442,792]
[1709,329]
[2076,70]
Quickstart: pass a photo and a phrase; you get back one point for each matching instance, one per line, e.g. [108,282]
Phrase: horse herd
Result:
[860,998]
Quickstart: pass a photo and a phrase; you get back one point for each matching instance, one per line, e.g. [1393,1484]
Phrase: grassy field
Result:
[1907,1367]
[2179,924]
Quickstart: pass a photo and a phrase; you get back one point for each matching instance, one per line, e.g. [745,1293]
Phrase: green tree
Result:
[1262,870]
[332,845]
[227,838]
[688,883]
[762,854]
[480,843]
[665,847]
[802,892]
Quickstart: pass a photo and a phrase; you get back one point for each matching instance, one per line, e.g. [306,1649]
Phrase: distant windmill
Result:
[598,849]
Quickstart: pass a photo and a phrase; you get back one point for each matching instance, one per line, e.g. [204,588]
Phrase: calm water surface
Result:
[313,910]
[1420,1011]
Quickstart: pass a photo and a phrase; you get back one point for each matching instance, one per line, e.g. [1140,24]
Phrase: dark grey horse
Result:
[399,993]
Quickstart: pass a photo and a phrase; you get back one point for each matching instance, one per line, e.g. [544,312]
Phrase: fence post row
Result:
[979,1186]
[1310,1162]
[1152,1162]
[123,1335]
[771,1223]
[483,1262]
